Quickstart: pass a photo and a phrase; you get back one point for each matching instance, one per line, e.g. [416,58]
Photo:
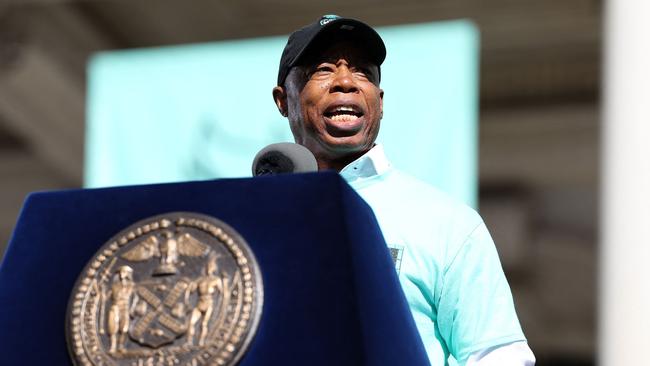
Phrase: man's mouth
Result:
[344,113]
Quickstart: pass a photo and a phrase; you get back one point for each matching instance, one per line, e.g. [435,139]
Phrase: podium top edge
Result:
[322,175]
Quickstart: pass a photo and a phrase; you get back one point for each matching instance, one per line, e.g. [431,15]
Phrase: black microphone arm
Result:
[284,157]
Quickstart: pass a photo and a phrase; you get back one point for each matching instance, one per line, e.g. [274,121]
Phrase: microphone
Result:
[284,157]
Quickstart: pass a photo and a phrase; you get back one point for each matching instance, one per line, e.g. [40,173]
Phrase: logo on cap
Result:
[328,18]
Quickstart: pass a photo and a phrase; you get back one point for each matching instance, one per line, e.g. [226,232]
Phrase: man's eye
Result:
[321,72]
[364,73]
[324,69]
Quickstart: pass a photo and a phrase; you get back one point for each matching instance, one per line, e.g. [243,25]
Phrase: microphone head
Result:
[284,157]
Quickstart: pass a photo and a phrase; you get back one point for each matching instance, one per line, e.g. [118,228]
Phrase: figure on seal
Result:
[207,287]
[168,255]
[123,296]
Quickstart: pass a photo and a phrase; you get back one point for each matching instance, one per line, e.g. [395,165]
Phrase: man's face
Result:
[333,103]
[125,274]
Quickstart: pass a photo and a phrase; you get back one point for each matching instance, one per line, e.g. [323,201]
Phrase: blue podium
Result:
[331,294]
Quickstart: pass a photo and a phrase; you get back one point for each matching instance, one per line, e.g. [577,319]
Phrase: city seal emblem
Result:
[174,289]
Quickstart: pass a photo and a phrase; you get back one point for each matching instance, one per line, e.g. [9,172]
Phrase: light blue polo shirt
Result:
[447,262]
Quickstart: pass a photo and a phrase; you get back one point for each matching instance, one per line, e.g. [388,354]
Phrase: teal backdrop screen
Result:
[202,111]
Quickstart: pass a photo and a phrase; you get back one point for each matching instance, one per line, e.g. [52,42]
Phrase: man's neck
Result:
[328,163]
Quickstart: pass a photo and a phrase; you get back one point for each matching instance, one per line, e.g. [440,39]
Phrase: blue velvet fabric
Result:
[331,295]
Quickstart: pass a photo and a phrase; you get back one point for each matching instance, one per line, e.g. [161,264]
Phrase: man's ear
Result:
[280,98]
[381,102]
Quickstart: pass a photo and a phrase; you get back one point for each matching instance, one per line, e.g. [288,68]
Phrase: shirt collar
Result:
[370,164]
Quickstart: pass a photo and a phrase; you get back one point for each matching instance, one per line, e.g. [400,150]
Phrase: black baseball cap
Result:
[329,29]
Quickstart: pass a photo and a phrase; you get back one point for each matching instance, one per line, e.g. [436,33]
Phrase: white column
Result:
[624,312]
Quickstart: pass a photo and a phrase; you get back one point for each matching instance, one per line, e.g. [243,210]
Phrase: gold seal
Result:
[175,289]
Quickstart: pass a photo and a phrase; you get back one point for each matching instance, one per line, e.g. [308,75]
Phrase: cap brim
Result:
[344,29]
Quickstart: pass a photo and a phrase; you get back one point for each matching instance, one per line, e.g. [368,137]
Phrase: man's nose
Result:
[343,81]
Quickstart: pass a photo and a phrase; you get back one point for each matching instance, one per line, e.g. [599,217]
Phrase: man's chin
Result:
[347,145]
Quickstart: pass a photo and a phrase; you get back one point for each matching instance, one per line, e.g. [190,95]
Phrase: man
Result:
[119,318]
[328,88]
[207,287]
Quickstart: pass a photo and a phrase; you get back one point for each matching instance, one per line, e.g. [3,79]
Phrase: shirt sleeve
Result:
[512,354]
[475,307]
